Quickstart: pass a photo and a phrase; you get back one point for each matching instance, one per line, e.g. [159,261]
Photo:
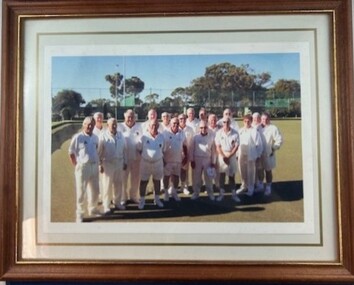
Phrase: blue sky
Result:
[161,74]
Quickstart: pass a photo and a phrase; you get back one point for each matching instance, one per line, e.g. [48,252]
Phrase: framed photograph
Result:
[302,231]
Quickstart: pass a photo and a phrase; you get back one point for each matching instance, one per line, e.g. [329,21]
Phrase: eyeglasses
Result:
[203,127]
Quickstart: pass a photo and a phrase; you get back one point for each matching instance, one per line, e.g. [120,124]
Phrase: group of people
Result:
[114,164]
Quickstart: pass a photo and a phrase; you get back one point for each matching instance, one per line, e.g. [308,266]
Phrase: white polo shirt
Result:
[152,148]
[202,146]
[174,145]
[228,140]
[111,147]
[132,137]
[84,147]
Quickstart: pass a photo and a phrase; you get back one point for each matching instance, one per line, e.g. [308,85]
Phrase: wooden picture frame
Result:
[13,148]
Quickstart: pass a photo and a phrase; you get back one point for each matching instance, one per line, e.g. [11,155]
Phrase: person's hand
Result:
[101,168]
[226,160]
[184,161]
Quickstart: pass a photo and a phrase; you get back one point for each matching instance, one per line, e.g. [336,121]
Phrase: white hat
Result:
[211,172]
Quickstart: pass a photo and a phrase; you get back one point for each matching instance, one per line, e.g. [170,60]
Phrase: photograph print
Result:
[190,96]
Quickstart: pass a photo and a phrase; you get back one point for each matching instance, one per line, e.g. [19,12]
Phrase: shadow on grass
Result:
[203,207]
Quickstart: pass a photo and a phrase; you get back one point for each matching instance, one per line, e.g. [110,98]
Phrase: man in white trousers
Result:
[98,130]
[189,133]
[250,150]
[273,142]
[256,123]
[83,155]
[202,156]
[132,133]
[212,129]
[227,142]
[152,148]
[112,154]
[175,156]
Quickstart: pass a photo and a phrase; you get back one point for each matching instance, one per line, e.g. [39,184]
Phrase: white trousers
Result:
[86,177]
[112,182]
[201,165]
[131,176]
[247,172]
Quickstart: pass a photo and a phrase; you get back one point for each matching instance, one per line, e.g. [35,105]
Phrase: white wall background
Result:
[3,283]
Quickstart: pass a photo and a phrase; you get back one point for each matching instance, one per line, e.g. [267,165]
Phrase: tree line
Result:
[221,85]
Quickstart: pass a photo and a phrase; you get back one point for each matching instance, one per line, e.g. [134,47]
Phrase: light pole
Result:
[124,81]
[116,95]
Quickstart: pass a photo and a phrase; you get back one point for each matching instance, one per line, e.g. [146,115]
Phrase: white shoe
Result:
[169,191]
[158,202]
[95,213]
[141,203]
[267,191]
[241,191]
[235,197]
[186,191]
[221,195]
[175,195]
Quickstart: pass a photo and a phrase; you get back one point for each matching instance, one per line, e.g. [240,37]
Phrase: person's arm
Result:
[73,159]
[72,155]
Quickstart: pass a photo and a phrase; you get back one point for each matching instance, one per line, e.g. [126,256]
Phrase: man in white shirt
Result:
[203,114]
[228,114]
[165,122]
[152,147]
[202,156]
[256,123]
[212,129]
[273,140]
[249,151]
[132,133]
[83,155]
[175,156]
[112,155]
[98,130]
[192,121]
[189,133]
[227,142]
[151,116]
